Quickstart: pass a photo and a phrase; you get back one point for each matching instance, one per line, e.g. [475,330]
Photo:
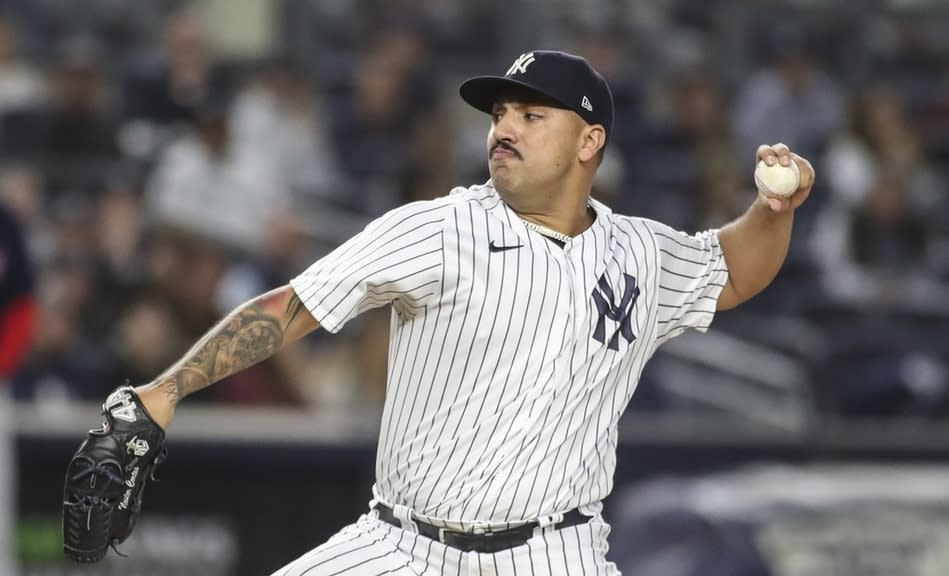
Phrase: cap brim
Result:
[481,92]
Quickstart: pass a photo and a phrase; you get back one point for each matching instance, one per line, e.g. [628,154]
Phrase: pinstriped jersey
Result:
[511,358]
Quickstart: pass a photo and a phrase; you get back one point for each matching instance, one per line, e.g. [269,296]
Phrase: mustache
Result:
[504,145]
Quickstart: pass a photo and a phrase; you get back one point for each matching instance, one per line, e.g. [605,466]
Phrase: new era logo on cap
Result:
[564,78]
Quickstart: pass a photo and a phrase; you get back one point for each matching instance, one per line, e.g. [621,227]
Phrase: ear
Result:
[592,140]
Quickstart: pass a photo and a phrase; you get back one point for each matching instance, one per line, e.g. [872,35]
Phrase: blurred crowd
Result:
[165,161]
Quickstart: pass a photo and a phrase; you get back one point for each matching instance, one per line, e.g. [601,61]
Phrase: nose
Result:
[504,130]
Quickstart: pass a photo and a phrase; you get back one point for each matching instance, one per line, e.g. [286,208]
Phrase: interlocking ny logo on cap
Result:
[520,65]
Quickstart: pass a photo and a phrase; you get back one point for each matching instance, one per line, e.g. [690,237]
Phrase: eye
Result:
[495,116]
[530,116]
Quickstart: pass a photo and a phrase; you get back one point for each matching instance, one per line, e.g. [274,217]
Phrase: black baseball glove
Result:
[107,475]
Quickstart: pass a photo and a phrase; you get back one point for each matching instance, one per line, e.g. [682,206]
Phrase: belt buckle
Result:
[443,531]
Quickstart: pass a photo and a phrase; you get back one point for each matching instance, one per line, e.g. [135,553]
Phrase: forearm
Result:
[755,247]
[251,333]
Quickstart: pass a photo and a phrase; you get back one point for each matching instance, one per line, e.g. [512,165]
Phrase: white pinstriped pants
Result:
[371,547]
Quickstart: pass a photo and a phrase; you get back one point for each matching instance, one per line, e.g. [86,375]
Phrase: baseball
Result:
[777,181]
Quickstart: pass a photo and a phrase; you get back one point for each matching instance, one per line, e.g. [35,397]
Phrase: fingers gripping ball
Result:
[106,477]
[777,181]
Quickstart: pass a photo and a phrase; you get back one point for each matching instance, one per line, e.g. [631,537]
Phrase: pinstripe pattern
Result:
[373,548]
[509,369]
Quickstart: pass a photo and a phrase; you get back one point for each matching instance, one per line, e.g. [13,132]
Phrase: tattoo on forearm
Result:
[243,339]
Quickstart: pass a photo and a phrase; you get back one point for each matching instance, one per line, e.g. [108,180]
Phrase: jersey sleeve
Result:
[396,259]
[692,274]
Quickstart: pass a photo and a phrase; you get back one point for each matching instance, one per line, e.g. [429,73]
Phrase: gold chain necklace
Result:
[548,232]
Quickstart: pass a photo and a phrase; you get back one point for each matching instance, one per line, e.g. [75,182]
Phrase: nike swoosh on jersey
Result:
[495,248]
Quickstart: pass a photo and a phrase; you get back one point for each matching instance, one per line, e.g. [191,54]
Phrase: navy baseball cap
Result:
[564,78]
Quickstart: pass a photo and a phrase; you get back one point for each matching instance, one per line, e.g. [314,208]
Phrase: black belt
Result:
[486,543]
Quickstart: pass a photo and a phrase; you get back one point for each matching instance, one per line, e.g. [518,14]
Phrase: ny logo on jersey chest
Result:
[607,307]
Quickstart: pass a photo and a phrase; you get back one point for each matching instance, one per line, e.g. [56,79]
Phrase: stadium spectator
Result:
[880,138]
[78,128]
[792,99]
[22,95]
[665,170]
[206,186]
[875,253]
[163,86]
[278,115]
[380,117]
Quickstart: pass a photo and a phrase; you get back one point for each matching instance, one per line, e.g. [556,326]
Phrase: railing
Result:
[69,421]
[246,490]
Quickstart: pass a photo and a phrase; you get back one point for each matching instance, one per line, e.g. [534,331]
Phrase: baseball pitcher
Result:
[523,312]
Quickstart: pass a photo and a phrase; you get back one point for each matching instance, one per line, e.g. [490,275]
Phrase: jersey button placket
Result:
[578,296]
[567,286]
